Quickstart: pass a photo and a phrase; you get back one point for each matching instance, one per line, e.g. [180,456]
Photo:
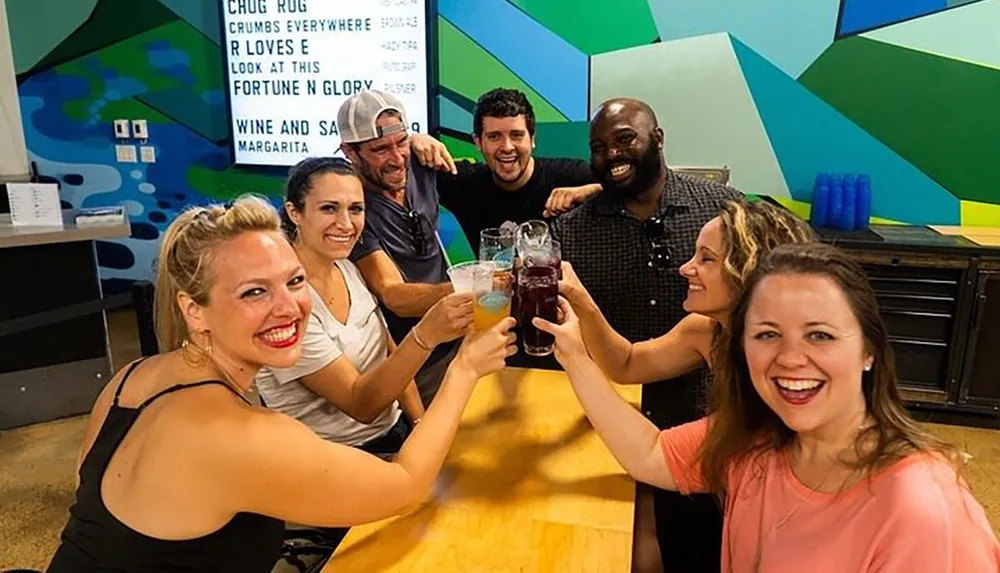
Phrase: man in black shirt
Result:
[627,245]
[512,184]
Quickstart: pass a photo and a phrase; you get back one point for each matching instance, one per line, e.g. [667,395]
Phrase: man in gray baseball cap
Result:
[399,254]
[377,119]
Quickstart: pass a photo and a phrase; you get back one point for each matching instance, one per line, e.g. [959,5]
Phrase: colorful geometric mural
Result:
[860,15]
[904,90]
[132,59]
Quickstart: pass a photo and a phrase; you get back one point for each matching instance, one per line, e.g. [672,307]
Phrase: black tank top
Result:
[94,540]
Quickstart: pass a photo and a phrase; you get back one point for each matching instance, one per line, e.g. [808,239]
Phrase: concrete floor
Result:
[37,482]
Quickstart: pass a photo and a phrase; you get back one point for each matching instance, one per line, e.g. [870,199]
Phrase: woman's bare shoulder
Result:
[700,331]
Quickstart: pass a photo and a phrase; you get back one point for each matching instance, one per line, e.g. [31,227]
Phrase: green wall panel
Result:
[112,21]
[38,26]
[941,115]
[461,149]
[595,26]
[233,182]
[563,140]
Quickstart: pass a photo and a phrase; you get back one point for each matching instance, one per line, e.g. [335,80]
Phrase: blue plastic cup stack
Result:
[842,202]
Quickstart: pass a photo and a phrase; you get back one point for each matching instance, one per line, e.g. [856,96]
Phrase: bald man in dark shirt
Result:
[626,245]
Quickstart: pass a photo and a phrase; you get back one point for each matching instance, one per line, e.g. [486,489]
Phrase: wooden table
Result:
[986,236]
[528,486]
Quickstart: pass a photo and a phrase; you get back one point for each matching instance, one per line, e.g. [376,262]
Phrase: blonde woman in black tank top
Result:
[178,471]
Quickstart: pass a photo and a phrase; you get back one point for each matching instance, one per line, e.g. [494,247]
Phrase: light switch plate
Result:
[139,128]
[121,129]
[125,153]
[147,153]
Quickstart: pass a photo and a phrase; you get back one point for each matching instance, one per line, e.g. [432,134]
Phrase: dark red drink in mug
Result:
[538,288]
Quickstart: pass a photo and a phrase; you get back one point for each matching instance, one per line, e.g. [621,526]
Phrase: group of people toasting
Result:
[772,436]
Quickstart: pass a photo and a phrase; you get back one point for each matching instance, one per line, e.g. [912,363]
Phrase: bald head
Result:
[625,147]
[628,110]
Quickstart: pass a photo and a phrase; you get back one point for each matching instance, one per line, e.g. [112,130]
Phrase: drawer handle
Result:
[977,311]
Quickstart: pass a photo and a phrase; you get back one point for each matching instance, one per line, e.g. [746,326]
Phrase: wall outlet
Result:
[125,153]
[139,129]
[147,153]
[121,129]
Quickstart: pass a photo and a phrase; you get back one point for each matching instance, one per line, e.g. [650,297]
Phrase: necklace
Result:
[226,378]
[761,538]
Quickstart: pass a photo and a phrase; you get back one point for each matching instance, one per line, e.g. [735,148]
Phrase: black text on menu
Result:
[258,7]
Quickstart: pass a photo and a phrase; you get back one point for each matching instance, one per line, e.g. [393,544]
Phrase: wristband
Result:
[417,339]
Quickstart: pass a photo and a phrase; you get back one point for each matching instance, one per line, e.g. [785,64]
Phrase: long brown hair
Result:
[184,262]
[742,425]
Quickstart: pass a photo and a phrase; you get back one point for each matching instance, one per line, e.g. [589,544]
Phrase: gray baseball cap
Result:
[357,115]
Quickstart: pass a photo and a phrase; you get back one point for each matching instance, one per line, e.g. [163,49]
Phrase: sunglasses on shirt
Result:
[660,251]
[417,233]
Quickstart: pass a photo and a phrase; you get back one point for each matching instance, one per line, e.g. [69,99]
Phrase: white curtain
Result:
[13,154]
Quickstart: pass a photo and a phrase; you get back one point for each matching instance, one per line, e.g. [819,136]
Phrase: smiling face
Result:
[507,145]
[332,217]
[805,352]
[625,149]
[384,162]
[709,293]
[258,301]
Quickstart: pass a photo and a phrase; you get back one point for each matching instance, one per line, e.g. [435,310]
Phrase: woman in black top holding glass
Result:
[179,472]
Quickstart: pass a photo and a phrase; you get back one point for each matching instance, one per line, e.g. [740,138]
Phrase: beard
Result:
[645,173]
[378,179]
[515,173]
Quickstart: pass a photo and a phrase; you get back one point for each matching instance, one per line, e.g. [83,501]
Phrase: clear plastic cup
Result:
[494,243]
[473,276]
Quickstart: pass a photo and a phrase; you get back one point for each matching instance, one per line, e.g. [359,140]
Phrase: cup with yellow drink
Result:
[492,296]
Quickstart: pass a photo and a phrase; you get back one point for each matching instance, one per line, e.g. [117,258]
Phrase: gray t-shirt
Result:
[400,232]
[362,340]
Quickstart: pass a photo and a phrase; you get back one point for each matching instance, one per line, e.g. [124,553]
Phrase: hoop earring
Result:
[206,350]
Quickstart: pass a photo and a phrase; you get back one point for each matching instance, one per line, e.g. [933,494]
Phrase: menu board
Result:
[291,63]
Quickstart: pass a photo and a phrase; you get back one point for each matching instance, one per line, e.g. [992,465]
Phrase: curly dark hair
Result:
[502,102]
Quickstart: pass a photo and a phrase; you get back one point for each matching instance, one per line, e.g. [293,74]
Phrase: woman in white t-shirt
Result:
[351,382]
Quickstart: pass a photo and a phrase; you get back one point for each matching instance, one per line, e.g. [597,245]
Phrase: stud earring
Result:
[868,367]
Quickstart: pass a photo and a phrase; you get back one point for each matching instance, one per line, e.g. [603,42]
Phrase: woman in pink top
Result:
[726,251]
[819,466]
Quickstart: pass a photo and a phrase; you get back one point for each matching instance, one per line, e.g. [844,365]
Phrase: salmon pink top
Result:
[913,517]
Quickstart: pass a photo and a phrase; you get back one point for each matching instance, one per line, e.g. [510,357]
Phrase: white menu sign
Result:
[34,205]
[291,63]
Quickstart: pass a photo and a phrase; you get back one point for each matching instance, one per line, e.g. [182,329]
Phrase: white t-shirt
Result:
[363,340]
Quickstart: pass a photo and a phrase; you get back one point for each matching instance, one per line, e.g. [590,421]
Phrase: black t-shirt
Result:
[479,203]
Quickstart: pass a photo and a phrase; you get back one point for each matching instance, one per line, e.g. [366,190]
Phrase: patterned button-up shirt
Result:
[610,251]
